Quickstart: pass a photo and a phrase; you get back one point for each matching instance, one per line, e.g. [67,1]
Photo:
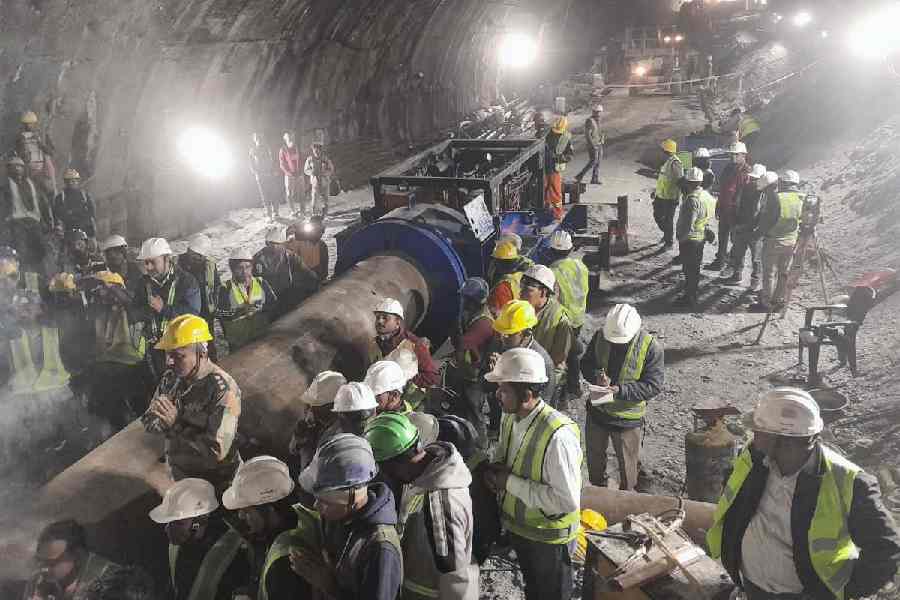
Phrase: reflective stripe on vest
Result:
[572,277]
[117,340]
[528,462]
[785,230]
[747,126]
[170,300]
[548,321]
[666,187]
[831,549]
[561,144]
[632,369]
[216,562]
[469,368]
[210,285]
[707,205]
[420,571]
[306,536]
[242,329]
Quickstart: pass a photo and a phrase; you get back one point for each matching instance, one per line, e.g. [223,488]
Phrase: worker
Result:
[572,283]
[79,256]
[291,281]
[413,396]
[66,567]
[25,217]
[536,474]
[354,405]
[289,161]
[505,274]
[746,221]
[386,379]
[391,333]
[796,518]
[168,291]
[515,329]
[554,330]
[734,178]
[73,208]
[320,170]
[36,149]
[207,558]
[557,154]
[435,520]
[115,254]
[540,125]
[471,340]
[348,547]
[262,167]
[693,232]
[319,421]
[702,158]
[246,303]
[308,244]
[199,262]
[668,193]
[196,406]
[779,228]
[629,361]
[125,583]
[743,127]
[593,137]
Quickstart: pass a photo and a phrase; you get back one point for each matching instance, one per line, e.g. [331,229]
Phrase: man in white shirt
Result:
[536,473]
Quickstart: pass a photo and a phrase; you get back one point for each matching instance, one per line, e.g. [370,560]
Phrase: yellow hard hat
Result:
[62,282]
[29,118]
[516,316]
[184,331]
[110,278]
[560,125]
[669,146]
[71,174]
[505,251]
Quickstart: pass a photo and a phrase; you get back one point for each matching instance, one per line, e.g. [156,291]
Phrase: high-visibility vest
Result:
[117,340]
[413,396]
[25,377]
[530,522]
[515,283]
[242,329]
[747,126]
[307,536]
[572,277]
[666,187]
[632,369]
[786,229]
[470,367]
[549,319]
[707,209]
[158,328]
[421,574]
[216,562]
[831,549]
[524,263]
[561,144]
[210,287]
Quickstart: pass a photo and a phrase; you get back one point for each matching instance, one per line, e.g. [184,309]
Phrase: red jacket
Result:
[733,179]
[289,160]
[428,372]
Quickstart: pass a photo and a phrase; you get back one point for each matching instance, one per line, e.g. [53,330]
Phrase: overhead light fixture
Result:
[640,70]
[517,50]
[205,152]
[679,38]
[667,39]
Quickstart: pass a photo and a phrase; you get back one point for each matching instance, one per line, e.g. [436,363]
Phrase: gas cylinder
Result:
[709,453]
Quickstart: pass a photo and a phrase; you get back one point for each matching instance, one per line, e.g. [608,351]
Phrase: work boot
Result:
[685,300]
[717,265]
[760,307]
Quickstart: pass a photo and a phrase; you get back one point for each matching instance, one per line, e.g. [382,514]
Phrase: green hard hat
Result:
[391,434]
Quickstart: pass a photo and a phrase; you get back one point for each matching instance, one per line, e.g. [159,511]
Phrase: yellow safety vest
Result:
[515,283]
[632,369]
[707,210]
[786,229]
[306,536]
[548,321]
[469,368]
[666,187]
[159,328]
[216,562]
[413,396]
[240,330]
[561,145]
[748,126]
[528,462]
[117,340]
[572,277]
[831,549]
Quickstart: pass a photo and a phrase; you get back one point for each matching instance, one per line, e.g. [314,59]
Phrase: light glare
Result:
[877,36]
[517,50]
[205,152]
[802,19]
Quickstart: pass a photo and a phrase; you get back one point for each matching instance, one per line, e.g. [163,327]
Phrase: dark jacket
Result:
[495,347]
[187,299]
[291,280]
[871,528]
[75,210]
[748,206]
[196,265]
[190,558]
[770,211]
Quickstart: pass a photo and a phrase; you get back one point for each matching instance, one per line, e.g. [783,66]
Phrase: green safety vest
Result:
[747,126]
[632,369]
[707,209]
[469,369]
[413,396]
[159,328]
[216,562]
[420,572]
[240,330]
[306,536]
[548,320]
[572,277]
[666,187]
[526,521]
[786,228]
[561,145]
[831,548]
[118,341]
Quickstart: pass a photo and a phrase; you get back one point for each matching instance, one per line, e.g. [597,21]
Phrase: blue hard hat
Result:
[475,288]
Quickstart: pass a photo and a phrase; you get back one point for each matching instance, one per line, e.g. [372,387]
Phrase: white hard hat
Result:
[260,480]
[757,171]
[561,240]
[519,365]
[786,411]
[389,306]
[515,238]
[113,241]
[622,323]
[354,396]
[543,275]
[342,462]
[385,376]
[791,177]
[186,499]
[407,360]
[694,175]
[201,244]
[737,148]
[323,388]
[241,254]
[277,235]
[154,248]
[701,153]
[428,426]
[770,178]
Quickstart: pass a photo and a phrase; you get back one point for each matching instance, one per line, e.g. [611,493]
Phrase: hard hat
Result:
[200,244]
[70,174]
[113,241]
[786,411]
[737,148]
[694,175]
[701,153]
[385,376]
[187,499]
[560,125]
[110,278]
[475,288]
[669,146]
[62,282]
[429,427]
[183,331]
[343,462]
[15,161]
[154,248]
[505,251]
[770,178]
[791,177]
[241,254]
[561,240]
[519,365]
[389,306]
[390,435]
[515,238]
[757,171]
[260,480]
[407,360]
[543,275]
[29,118]
[622,324]
[516,316]
[277,235]
[354,396]
[323,389]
